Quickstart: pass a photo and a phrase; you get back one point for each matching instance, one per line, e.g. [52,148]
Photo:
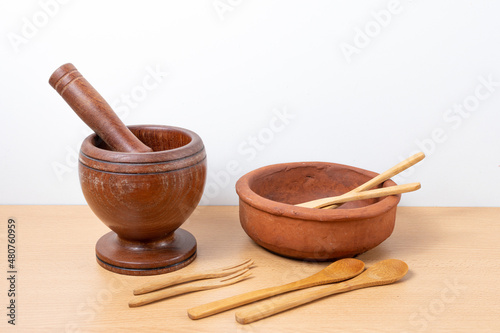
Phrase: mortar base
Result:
[135,258]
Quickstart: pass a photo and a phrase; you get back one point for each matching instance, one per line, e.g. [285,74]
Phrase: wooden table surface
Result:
[452,286]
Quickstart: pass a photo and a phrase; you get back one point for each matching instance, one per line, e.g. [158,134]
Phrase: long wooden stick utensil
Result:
[338,271]
[401,166]
[383,272]
[380,192]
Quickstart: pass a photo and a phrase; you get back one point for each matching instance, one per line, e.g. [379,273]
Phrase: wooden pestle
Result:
[94,110]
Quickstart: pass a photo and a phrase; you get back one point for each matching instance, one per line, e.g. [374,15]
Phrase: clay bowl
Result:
[268,215]
[144,198]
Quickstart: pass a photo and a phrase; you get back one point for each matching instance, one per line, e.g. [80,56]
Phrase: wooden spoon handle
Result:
[285,302]
[350,196]
[94,110]
[219,306]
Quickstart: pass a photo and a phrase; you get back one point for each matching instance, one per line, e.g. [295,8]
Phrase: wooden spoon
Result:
[353,196]
[401,166]
[338,271]
[383,272]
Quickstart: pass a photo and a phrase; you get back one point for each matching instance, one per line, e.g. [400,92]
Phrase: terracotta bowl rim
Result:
[193,147]
[301,213]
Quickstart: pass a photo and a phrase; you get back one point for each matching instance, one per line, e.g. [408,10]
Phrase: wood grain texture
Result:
[451,286]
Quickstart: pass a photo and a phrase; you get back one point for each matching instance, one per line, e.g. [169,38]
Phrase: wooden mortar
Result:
[143,182]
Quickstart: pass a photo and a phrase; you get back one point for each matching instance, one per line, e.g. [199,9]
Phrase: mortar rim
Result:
[190,149]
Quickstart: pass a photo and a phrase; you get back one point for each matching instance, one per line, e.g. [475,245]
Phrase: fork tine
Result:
[238,268]
[234,266]
[236,277]
[243,276]
[232,276]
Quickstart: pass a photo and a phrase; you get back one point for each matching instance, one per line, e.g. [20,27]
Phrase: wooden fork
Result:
[178,279]
[184,289]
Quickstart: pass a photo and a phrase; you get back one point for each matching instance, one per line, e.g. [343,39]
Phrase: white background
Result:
[228,67]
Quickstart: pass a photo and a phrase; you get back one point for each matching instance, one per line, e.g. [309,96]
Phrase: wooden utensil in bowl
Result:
[389,173]
[352,196]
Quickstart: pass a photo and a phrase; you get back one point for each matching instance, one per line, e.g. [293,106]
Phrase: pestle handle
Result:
[94,110]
